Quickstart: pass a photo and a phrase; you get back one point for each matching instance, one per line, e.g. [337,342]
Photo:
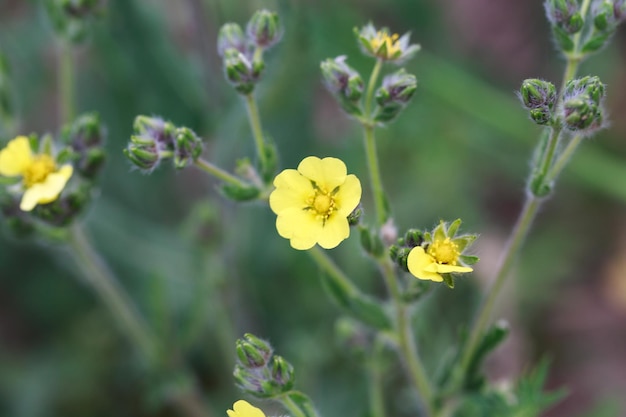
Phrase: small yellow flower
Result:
[42,180]
[243,409]
[313,202]
[442,254]
[382,44]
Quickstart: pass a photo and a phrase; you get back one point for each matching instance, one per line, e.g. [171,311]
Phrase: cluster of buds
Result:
[539,97]
[85,138]
[258,371]
[382,44]
[242,53]
[394,94]
[583,110]
[154,140]
[607,15]
[397,89]
[72,18]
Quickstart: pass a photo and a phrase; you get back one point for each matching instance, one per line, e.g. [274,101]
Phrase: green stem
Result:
[369,95]
[406,339]
[292,406]
[66,82]
[376,393]
[563,158]
[106,286]
[257,131]
[520,231]
[326,263]
[218,172]
[375,177]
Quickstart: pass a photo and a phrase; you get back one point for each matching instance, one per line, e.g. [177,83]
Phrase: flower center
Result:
[322,203]
[39,170]
[390,41]
[444,251]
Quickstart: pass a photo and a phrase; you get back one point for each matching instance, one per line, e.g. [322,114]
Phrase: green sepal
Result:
[240,192]
[496,334]
[304,403]
[448,279]
[464,241]
[454,227]
[469,259]
[596,43]
[563,39]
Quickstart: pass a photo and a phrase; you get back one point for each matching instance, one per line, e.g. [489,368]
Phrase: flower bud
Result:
[581,114]
[188,147]
[252,351]
[231,36]
[85,136]
[143,156]
[413,238]
[344,82]
[241,72]
[536,93]
[354,218]
[282,373]
[541,115]
[396,91]
[264,29]
[156,130]
[73,19]
[248,380]
[564,14]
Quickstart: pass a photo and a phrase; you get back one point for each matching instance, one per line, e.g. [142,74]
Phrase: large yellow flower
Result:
[243,409]
[42,180]
[313,202]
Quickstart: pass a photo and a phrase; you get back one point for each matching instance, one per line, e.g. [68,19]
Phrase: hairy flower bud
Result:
[231,36]
[565,14]
[344,82]
[282,373]
[242,72]
[536,93]
[583,104]
[264,29]
[85,136]
[252,351]
[188,147]
[72,19]
[396,91]
[143,156]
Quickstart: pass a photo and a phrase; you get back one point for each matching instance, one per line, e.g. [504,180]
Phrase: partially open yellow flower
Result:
[42,180]
[313,202]
[243,408]
[441,257]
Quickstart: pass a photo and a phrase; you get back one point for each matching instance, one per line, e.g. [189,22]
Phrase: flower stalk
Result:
[66,81]
[257,131]
[218,172]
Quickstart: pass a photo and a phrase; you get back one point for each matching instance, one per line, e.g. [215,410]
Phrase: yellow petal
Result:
[446,269]
[244,409]
[47,191]
[301,227]
[16,157]
[418,262]
[348,196]
[292,190]
[327,173]
[335,230]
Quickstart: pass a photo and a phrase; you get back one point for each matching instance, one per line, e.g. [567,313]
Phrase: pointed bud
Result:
[231,36]
[188,147]
[85,137]
[282,373]
[248,355]
[541,115]
[354,218]
[344,82]
[248,381]
[536,93]
[581,114]
[413,238]
[241,72]
[144,157]
[565,15]
[401,258]
[394,94]
[264,29]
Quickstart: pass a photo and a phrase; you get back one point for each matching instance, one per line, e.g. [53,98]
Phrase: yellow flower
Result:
[42,180]
[442,254]
[382,44]
[244,409]
[313,202]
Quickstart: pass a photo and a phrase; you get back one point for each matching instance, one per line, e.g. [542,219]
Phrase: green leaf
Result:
[303,403]
[596,43]
[491,340]
[340,294]
[563,39]
[369,312]
[240,193]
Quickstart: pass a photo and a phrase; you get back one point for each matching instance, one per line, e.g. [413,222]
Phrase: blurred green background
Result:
[204,270]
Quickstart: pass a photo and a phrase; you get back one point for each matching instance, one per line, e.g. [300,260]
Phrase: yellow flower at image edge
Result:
[42,180]
[313,202]
[243,409]
[441,257]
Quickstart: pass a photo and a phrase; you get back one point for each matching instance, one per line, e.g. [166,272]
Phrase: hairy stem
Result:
[218,172]
[328,265]
[293,408]
[375,377]
[564,158]
[257,131]
[66,82]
